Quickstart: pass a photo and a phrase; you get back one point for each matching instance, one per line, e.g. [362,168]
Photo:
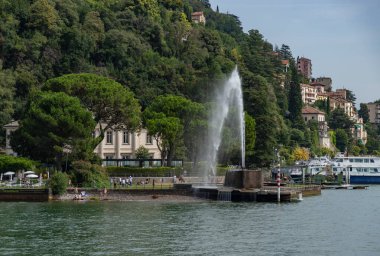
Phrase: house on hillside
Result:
[326,81]
[285,64]
[340,102]
[359,133]
[198,17]
[308,93]
[312,114]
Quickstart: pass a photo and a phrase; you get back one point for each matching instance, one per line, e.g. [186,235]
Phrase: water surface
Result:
[338,222]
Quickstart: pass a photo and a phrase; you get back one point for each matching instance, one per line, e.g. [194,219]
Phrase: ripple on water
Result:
[335,223]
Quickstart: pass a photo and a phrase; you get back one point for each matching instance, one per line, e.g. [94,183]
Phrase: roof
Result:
[317,84]
[310,110]
[285,62]
[338,99]
[12,124]
[306,85]
[197,14]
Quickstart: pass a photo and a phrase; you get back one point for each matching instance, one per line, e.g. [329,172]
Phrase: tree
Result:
[260,102]
[250,136]
[7,102]
[168,117]
[110,103]
[350,96]
[44,16]
[51,121]
[58,183]
[286,53]
[295,101]
[341,140]
[300,154]
[142,153]
[339,120]
[364,112]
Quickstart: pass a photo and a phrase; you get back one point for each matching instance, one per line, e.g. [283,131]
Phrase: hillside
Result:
[152,48]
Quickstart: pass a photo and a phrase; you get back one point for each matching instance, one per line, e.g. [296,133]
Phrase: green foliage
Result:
[168,117]
[339,120]
[7,103]
[12,163]
[341,140]
[350,96]
[58,183]
[52,120]
[250,136]
[260,103]
[142,153]
[89,175]
[373,138]
[364,112]
[322,105]
[327,152]
[109,101]
[295,101]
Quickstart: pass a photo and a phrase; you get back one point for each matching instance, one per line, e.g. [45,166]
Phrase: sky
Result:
[341,37]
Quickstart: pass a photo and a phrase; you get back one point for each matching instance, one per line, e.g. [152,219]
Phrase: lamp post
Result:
[278,179]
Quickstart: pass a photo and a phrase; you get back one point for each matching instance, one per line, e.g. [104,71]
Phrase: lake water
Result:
[339,222]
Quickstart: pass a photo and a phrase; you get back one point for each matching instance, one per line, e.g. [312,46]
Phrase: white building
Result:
[309,94]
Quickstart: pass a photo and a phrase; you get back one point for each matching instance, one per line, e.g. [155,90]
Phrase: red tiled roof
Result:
[311,110]
[197,14]
[285,62]
[317,84]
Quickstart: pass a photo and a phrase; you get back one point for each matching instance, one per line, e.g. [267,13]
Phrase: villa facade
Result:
[117,144]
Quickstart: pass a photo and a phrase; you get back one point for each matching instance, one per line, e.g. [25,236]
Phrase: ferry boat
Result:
[358,169]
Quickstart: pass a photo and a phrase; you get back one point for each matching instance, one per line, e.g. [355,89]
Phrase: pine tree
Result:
[295,101]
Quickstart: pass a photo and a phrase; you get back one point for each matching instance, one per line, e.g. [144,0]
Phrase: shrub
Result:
[58,183]
[89,175]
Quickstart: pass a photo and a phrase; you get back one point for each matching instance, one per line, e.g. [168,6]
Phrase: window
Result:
[109,137]
[125,137]
[125,156]
[109,156]
[149,139]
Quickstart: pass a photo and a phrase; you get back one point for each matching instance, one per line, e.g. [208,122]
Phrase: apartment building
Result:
[374,112]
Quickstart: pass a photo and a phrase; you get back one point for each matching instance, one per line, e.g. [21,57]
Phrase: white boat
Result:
[318,166]
[358,169]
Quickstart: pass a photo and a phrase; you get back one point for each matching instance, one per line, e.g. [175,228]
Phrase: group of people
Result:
[121,181]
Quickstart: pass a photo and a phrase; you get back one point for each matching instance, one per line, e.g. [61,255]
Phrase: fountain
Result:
[240,184]
[228,95]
